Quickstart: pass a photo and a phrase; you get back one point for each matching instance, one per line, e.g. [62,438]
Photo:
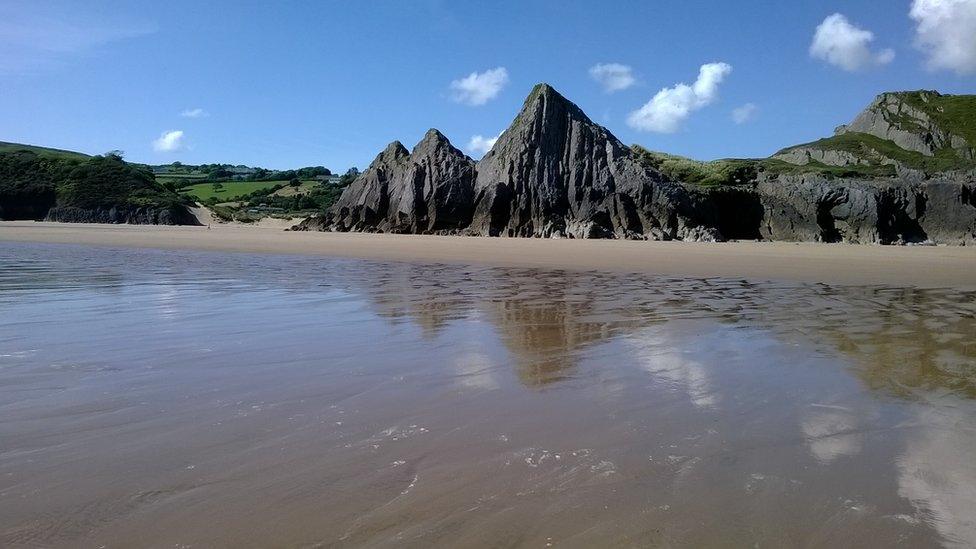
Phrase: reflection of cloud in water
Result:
[664,355]
[474,371]
[830,433]
[167,300]
[936,472]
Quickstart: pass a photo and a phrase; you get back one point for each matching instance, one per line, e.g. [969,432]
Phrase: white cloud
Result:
[946,31]
[194,113]
[745,113]
[844,45]
[831,432]
[665,112]
[613,76]
[481,145]
[474,371]
[479,88]
[170,141]
[665,355]
[936,473]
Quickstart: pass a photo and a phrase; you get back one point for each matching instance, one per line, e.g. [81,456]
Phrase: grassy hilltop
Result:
[43,152]
[921,130]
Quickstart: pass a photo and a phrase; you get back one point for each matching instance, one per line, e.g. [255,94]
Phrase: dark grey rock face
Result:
[133,216]
[555,173]
[811,208]
[429,190]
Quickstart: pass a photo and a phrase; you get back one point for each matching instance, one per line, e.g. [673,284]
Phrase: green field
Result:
[45,152]
[232,190]
[180,176]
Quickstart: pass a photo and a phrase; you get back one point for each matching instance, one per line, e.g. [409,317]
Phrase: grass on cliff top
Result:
[697,172]
[872,148]
[739,171]
[44,152]
[955,113]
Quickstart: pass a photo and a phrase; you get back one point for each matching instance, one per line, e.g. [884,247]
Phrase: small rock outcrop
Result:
[428,190]
[802,156]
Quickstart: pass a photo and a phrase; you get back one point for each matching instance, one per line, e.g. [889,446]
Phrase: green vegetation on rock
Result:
[955,114]
[31,184]
[108,181]
[878,154]
[697,172]
[912,118]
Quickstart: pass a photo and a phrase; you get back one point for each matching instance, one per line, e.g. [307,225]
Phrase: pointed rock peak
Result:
[394,150]
[435,143]
[432,141]
[544,99]
[434,134]
[393,153]
[545,92]
[432,138]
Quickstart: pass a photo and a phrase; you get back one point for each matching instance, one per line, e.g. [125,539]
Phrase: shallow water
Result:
[173,399]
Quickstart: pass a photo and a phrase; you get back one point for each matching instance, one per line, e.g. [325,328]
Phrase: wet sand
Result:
[156,398]
[919,266]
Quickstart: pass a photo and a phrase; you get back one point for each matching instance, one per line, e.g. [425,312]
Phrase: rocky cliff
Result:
[428,190]
[555,173]
[122,214]
[911,120]
[922,130]
[810,207]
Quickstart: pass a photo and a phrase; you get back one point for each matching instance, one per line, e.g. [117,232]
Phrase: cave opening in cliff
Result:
[738,214]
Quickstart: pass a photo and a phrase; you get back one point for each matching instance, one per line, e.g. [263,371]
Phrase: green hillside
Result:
[861,155]
[879,152]
[955,114]
[739,171]
[919,130]
[33,182]
[44,152]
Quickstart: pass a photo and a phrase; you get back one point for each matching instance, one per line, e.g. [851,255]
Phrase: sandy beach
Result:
[920,266]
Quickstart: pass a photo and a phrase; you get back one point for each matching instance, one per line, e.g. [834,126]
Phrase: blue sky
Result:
[290,84]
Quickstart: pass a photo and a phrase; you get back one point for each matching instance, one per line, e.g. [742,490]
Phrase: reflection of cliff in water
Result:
[544,319]
[914,341]
[545,338]
[30,269]
[900,341]
[432,296]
